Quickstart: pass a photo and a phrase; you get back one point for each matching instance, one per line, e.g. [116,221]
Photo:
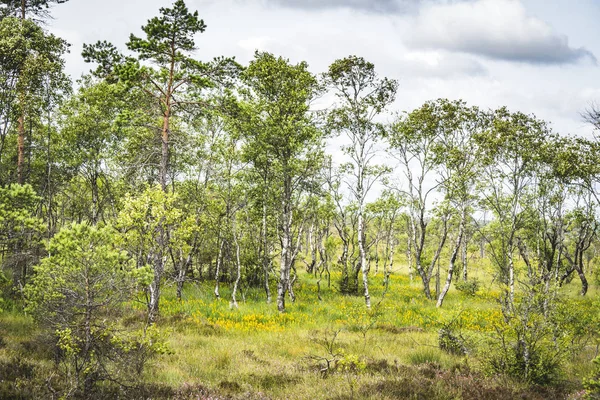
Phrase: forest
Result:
[172,228]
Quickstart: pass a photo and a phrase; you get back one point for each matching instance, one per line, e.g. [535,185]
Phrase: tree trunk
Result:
[266,262]
[390,262]
[21,119]
[409,258]
[95,196]
[453,258]
[164,156]
[238,267]
[218,268]
[464,259]
[153,306]
[21,147]
[363,257]
[183,269]
[584,282]
[286,245]
[265,255]
[361,234]
[511,278]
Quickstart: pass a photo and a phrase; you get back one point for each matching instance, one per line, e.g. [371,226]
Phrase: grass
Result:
[390,351]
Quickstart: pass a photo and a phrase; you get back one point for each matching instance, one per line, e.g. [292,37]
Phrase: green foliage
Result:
[275,114]
[469,287]
[39,8]
[17,212]
[535,337]
[592,383]
[175,26]
[144,215]
[33,59]
[20,230]
[77,292]
[451,340]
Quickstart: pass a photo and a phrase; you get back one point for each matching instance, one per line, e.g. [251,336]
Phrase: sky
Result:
[534,56]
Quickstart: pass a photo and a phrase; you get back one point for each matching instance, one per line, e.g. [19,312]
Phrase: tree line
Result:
[159,168]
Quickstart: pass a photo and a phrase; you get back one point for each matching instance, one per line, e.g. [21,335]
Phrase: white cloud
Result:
[438,64]
[377,6]
[496,29]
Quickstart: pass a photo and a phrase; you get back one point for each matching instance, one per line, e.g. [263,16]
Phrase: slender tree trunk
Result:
[363,257]
[95,197]
[453,258]
[464,258]
[390,265]
[48,180]
[155,286]
[218,268]
[344,261]
[424,277]
[21,145]
[183,269]
[322,265]
[377,254]
[265,255]
[409,258]
[238,267]
[21,119]
[87,348]
[286,245]
[180,280]
[164,156]
[580,272]
[511,278]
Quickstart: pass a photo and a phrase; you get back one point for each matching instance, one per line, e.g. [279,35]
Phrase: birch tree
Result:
[511,160]
[362,97]
[413,139]
[457,156]
[276,120]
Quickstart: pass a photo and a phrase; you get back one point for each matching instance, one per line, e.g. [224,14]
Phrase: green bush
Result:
[534,339]
[592,383]
[76,295]
[469,287]
[451,341]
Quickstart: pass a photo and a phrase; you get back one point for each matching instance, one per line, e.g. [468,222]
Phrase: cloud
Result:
[438,64]
[376,6]
[496,29]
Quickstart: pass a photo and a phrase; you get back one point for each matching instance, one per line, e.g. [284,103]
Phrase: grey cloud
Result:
[552,50]
[495,29]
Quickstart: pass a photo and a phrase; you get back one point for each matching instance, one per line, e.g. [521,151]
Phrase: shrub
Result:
[533,339]
[469,287]
[592,383]
[75,296]
[451,341]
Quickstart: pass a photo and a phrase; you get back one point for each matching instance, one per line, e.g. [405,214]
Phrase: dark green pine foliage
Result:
[39,9]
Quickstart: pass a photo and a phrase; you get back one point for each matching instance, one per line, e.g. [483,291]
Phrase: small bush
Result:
[533,340]
[451,341]
[469,287]
[592,383]
[348,285]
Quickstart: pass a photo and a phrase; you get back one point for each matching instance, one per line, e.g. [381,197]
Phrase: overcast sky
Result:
[535,56]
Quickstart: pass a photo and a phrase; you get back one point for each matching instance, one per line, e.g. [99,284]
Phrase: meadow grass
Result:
[256,352]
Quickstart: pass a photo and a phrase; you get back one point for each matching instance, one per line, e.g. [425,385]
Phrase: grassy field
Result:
[389,352]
